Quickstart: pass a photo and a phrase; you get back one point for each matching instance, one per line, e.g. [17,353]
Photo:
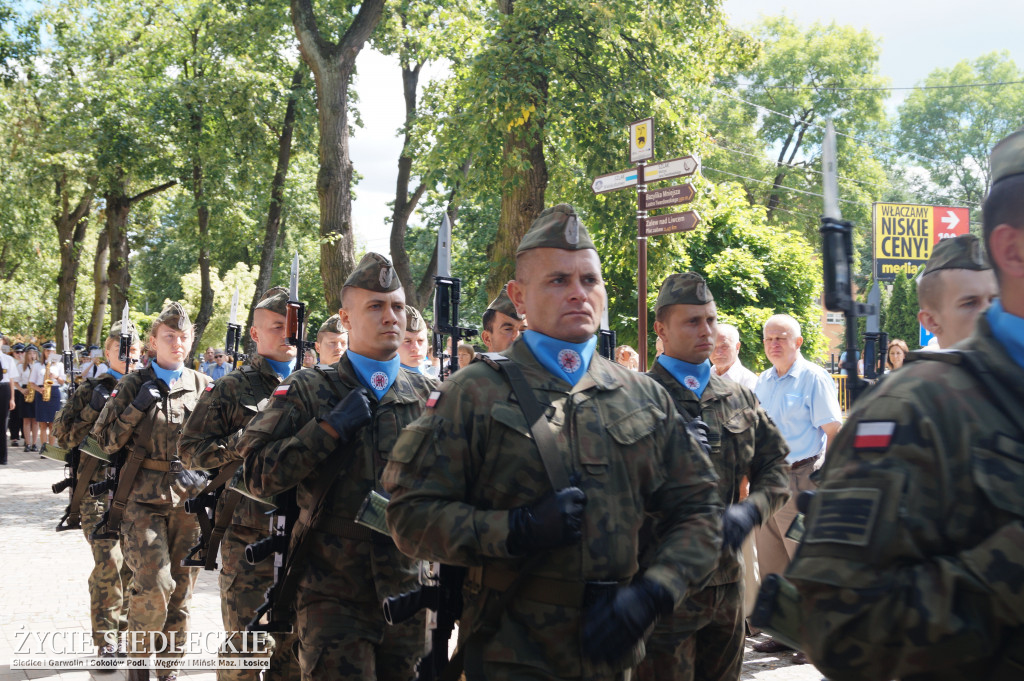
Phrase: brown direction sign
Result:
[673,222]
[667,196]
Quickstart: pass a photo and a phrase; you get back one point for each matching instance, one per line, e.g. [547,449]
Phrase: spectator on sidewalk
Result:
[725,357]
[800,397]
[220,366]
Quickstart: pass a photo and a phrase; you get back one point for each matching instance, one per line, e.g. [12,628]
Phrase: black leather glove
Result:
[737,522]
[99,398]
[149,393]
[193,481]
[351,414]
[699,430]
[614,626]
[556,520]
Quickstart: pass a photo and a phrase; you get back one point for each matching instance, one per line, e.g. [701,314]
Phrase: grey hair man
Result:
[725,357]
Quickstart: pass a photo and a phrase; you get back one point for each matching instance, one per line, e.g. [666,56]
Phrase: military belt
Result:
[165,466]
[804,462]
[547,590]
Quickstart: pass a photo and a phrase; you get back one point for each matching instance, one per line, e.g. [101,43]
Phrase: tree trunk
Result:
[203,220]
[94,334]
[119,277]
[521,201]
[405,203]
[332,66]
[71,228]
[522,196]
[273,224]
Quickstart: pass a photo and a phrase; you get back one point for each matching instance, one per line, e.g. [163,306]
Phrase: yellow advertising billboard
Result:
[904,234]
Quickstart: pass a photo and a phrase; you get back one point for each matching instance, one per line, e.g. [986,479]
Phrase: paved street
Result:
[44,584]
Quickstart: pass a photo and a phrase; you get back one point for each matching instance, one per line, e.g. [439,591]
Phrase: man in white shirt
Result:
[725,358]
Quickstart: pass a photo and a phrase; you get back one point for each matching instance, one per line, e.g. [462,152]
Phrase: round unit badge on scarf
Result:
[692,383]
[379,380]
[569,360]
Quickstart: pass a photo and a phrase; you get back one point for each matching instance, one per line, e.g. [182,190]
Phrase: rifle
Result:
[777,608]
[277,613]
[606,338]
[447,296]
[442,592]
[108,486]
[204,504]
[234,337]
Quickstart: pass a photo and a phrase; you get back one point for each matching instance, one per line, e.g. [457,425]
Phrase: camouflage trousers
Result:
[156,538]
[109,580]
[342,640]
[701,641]
[243,589]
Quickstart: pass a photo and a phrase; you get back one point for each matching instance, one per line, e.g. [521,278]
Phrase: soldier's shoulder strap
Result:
[973,364]
[534,414]
[333,378]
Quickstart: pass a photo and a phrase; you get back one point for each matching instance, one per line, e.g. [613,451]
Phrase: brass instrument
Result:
[47,383]
[30,394]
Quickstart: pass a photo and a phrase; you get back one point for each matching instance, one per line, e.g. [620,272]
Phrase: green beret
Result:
[374,273]
[115,332]
[503,304]
[332,325]
[275,300]
[414,320]
[1007,158]
[686,288]
[557,227]
[962,252]
[174,316]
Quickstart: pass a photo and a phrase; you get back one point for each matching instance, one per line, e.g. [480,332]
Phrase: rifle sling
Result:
[86,470]
[125,482]
[210,535]
[324,476]
[534,414]
[545,441]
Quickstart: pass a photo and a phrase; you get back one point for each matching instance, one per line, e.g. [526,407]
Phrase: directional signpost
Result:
[641,150]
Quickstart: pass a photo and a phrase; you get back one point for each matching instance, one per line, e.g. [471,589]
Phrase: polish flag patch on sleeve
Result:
[433,398]
[282,389]
[874,434]
[113,394]
[209,387]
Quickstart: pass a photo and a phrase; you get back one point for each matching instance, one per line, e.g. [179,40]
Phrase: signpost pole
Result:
[641,238]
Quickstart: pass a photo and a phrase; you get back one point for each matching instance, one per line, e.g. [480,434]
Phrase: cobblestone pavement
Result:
[44,583]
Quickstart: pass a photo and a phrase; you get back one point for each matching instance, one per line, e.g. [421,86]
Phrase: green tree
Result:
[901,314]
[767,124]
[953,129]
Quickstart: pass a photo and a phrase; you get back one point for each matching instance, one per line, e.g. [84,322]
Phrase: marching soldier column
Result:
[328,433]
[209,441]
[110,577]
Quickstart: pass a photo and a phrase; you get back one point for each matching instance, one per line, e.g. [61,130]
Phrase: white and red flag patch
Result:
[874,434]
[209,386]
[433,398]
[282,389]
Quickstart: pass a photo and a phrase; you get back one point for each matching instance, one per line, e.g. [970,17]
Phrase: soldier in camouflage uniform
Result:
[703,639]
[912,563]
[144,415]
[209,441]
[413,350]
[348,418]
[110,577]
[331,341]
[469,486]
[501,324]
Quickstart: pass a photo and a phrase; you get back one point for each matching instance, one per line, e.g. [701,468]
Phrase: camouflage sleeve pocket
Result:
[413,439]
[636,425]
[740,422]
[999,472]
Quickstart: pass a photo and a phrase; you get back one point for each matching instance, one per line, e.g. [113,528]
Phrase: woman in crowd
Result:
[48,398]
[626,356]
[466,354]
[897,353]
[18,355]
[31,376]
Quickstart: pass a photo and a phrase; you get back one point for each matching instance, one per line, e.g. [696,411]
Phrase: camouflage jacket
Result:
[284,446]
[744,442]
[210,436]
[154,432]
[76,418]
[911,564]
[459,468]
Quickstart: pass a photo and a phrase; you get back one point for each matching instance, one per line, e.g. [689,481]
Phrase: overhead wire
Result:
[782,187]
[883,89]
